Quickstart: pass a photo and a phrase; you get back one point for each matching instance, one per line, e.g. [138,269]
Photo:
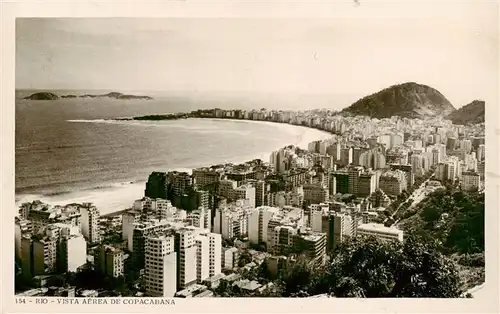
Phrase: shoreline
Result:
[119,197]
[201,115]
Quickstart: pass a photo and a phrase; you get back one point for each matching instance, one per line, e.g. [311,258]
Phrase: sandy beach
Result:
[121,195]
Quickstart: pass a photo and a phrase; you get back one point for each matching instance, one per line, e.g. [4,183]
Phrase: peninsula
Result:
[408,100]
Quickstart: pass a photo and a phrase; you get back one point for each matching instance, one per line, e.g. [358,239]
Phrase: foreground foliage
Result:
[452,217]
[368,267]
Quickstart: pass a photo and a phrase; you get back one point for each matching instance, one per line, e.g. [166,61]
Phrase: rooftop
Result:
[190,290]
[232,277]
[216,277]
[379,228]
[248,285]
[204,294]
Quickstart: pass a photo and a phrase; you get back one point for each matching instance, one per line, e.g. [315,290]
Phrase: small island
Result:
[42,96]
[115,95]
[112,95]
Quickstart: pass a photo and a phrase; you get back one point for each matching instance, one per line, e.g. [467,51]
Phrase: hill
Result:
[42,96]
[410,100]
[471,113]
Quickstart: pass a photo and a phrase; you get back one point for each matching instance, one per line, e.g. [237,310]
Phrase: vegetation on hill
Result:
[471,113]
[453,220]
[368,267]
[409,100]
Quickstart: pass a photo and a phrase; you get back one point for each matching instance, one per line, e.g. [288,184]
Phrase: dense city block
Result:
[390,207]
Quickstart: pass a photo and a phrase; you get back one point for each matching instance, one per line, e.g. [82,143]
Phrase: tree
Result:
[245,258]
[422,271]
[463,230]
[297,278]
[224,289]
[263,270]
[371,268]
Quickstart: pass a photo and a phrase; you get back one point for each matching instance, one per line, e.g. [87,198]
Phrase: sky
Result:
[454,50]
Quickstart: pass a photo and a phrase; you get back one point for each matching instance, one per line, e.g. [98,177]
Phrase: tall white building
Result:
[258,220]
[151,204]
[72,252]
[200,218]
[436,156]
[209,254]
[244,192]
[231,220]
[230,258]
[452,163]
[316,213]
[129,220]
[90,223]
[202,258]
[480,153]
[215,253]
[160,272]
[185,246]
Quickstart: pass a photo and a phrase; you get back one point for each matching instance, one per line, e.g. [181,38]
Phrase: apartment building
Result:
[258,219]
[21,227]
[90,223]
[140,233]
[185,247]
[380,231]
[231,220]
[244,192]
[161,267]
[157,185]
[108,260]
[203,177]
[38,255]
[393,182]
[314,245]
[470,181]
[342,181]
[180,182]
[231,258]
[72,252]
[202,258]
[129,220]
[367,183]
[315,194]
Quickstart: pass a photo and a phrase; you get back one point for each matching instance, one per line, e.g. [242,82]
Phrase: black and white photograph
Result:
[162,158]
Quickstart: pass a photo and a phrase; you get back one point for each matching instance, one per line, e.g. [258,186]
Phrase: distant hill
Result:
[42,96]
[410,100]
[471,113]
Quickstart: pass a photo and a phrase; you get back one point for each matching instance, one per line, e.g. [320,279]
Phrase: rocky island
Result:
[115,95]
[42,96]
[112,95]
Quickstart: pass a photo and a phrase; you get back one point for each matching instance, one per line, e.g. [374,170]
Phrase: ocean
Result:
[67,152]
